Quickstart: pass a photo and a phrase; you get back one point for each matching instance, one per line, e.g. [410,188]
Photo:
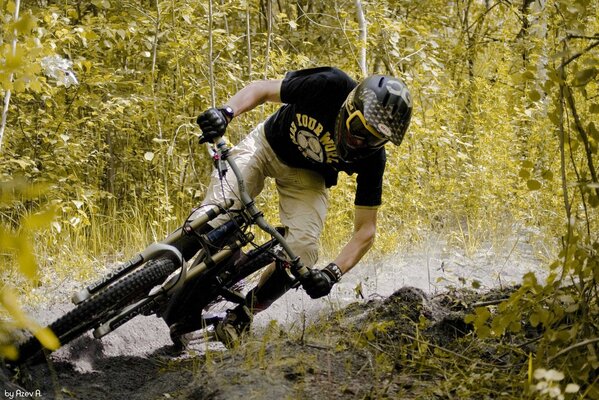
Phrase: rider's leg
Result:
[304,214]
[302,208]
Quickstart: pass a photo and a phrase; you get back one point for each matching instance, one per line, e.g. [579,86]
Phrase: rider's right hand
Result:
[318,282]
[213,124]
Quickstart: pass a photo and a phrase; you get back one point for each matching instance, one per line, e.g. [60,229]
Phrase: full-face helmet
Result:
[376,111]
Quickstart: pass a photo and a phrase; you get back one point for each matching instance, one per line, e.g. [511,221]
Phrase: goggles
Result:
[360,135]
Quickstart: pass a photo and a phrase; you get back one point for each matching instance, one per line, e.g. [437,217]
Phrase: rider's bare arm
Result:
[254,94]
[361,240]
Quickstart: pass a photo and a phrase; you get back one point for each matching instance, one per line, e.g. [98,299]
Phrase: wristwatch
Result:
[228,111]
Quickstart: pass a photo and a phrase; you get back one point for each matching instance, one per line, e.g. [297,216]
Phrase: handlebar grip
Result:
[300,271]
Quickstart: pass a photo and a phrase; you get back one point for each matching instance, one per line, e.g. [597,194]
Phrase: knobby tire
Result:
[91,311]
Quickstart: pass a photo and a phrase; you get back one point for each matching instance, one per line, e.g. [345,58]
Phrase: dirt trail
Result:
[298,356]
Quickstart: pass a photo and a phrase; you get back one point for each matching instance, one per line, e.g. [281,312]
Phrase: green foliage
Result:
[18,242]
[564,307]
[19,51]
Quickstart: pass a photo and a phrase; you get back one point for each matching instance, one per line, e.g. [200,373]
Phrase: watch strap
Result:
[333,271]
[228,112]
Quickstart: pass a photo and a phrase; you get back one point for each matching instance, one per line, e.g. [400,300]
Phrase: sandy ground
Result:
[137,360]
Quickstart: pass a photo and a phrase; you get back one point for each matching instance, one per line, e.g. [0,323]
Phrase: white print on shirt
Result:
[307,134]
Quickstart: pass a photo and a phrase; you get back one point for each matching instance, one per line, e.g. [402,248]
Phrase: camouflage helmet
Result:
[376,111]
[386,104]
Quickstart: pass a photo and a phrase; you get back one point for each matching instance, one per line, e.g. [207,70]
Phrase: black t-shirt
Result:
[302,131]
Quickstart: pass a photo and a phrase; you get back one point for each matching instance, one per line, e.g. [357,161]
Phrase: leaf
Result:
[35,85]
[87,65]
[9,300]
[57,226]
[47,338]
[534,95]
[585,76]
[483,332]
[524,173]
[533,184]
[9,351]
[25,24]
[534,320]
[593,131]
[14,61]
[554,375]
[527,164]
[11,7]
[547,175]
[19,85]
[26,258]
[540,373]
[39,220]
[572,388]
[554,117]
[515,326]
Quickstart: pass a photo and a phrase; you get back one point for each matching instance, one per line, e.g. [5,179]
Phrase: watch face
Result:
[229,111]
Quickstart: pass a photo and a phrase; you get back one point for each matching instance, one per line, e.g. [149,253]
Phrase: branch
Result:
[268,37]
[594,37]
[574,346]
[211,56]
[480,17]
[575,56]
[249,40]
[583,134]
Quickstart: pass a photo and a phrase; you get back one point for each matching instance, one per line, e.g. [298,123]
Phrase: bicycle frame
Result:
[222,158]
[222,154]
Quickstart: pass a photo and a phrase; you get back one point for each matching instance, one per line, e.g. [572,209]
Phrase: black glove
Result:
[213,123]
[318,282]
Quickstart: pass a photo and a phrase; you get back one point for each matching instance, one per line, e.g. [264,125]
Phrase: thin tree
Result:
[363,24]
[8,92]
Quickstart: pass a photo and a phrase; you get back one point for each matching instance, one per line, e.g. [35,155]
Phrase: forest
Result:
[99,151]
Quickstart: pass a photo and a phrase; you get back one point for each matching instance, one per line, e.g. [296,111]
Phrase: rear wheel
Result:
[94,310]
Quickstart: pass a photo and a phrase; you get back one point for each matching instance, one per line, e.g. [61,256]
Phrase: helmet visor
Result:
[360,135]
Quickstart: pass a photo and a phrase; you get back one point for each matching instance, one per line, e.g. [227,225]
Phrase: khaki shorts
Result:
[303,197]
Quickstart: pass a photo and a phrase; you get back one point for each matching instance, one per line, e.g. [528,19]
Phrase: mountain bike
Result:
[193,268]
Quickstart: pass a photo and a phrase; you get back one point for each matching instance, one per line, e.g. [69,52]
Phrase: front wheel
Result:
[93,310]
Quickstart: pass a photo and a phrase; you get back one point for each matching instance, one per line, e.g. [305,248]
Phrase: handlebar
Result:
[221,156]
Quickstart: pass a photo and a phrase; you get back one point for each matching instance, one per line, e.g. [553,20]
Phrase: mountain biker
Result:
[328,123]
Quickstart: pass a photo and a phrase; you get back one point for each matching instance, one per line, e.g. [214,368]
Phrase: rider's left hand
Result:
[318,282]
